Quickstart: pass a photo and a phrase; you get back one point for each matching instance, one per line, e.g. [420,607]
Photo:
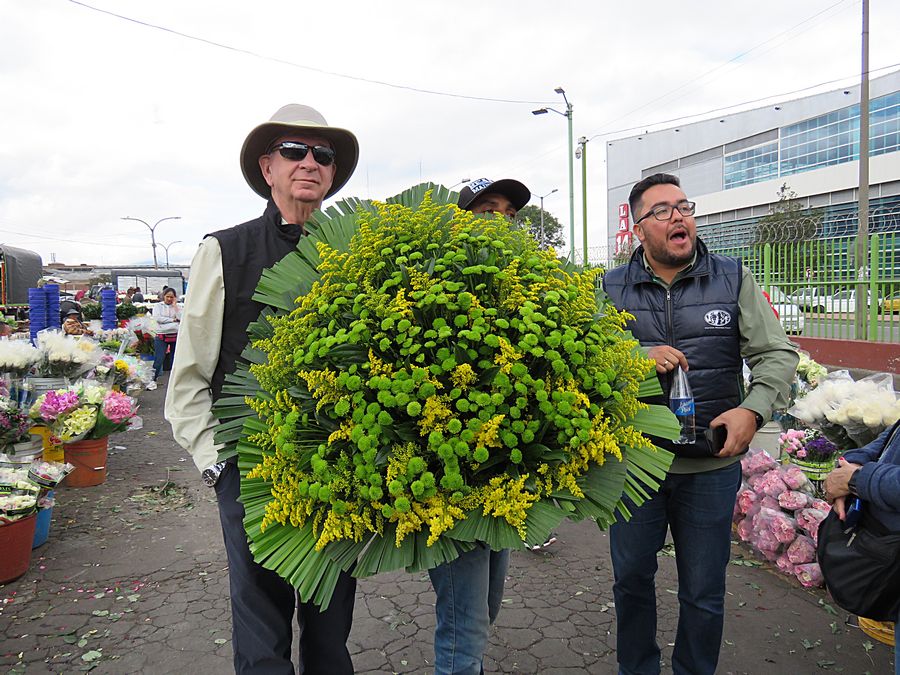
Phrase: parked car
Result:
[790,313]
[806,298]
[842,302]
[891,304]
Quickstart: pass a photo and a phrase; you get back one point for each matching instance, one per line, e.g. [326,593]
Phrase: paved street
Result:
[134,580]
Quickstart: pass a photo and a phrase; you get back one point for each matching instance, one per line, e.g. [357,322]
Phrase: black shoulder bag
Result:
[861,566]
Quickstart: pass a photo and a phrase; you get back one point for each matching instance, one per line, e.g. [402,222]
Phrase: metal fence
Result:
[821,278]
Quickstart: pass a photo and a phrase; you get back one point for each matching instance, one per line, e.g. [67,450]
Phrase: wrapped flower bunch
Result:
[809,445]
[440,380]
[65,355]
[850,413]
[86,410]
[809,372]
[778,516]
[14,424]
[17,357]
[144,329]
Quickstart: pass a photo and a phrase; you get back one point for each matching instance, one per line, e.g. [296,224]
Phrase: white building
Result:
[734,165]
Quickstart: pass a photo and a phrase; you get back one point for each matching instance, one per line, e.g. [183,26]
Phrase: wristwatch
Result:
[211,475]
[759,420]
[851,484]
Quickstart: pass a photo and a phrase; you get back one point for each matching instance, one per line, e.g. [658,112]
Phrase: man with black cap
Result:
[504,196]
[469,589]
[294,161]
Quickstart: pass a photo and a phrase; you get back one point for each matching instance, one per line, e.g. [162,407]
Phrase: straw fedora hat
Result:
[297,119]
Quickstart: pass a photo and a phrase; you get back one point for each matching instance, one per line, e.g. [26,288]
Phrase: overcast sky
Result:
[104,117]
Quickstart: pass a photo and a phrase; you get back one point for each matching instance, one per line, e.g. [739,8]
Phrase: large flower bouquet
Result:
[439,381]
[85,410]
[850,413]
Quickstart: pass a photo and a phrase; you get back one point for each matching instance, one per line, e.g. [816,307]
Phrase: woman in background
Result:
[168,315]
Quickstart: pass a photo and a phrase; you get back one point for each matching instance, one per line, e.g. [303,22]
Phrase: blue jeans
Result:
[469,592]
[160,347]
[697,507]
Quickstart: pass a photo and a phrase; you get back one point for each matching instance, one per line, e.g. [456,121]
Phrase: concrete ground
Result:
[134,580]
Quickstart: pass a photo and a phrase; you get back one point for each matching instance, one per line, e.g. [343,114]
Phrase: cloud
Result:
[105,118]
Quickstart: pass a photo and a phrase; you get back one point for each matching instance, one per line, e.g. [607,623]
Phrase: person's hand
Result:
[667,358]
[836,483]
[741,425]
[840,507]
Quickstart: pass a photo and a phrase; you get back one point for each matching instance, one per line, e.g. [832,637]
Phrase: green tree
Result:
[530,218]
[791,231]
[788,220]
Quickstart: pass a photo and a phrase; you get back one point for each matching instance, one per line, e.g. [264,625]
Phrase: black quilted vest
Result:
[697,315]
[247,249]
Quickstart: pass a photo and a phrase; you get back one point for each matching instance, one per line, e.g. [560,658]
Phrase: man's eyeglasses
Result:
[296,152]
[664,211]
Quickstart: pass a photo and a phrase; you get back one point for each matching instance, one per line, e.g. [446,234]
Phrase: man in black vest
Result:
[294,161]
[704,313]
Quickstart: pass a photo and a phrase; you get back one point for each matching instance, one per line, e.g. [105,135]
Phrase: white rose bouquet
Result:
[850,413]
[66,355]
[17,357]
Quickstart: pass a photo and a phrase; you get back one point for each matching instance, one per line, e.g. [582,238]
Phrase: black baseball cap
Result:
[516,192]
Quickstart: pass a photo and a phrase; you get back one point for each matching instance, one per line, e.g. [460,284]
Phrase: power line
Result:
[683,118]
[292,64]
[735,105]
[71,241]
[723,65]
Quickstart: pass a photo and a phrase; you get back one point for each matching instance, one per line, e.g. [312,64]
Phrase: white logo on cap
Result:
[718,318]
[477,186]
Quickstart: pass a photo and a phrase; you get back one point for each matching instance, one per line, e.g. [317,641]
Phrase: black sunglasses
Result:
[296,152]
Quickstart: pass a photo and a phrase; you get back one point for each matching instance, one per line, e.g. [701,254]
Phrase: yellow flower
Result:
[463,376]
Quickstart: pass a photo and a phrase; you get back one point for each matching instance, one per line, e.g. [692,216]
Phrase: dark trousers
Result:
[263,606]
[697,508]
[162,356]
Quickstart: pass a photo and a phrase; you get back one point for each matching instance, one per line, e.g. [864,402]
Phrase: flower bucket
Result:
[42,526]
[22,453]
[815,470]
[41,385]
[146,357]
[767,439]
[883,631]
[15,542]
[52,452]
[89,459]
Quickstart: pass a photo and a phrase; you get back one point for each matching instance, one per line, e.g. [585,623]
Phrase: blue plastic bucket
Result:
[42,525]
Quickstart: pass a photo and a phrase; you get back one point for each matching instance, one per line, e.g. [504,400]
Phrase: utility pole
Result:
[152,229]
[581,153]
[862,232]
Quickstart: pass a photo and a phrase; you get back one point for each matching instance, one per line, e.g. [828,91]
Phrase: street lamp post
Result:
[152,229]
[568,115]
[541,197]
[166,249]
[581,153]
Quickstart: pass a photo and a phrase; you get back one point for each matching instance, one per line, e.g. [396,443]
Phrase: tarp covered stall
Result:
[21,270]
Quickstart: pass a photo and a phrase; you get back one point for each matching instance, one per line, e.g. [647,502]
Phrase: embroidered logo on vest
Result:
[717,318]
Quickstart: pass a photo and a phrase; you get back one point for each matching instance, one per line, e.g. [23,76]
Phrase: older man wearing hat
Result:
[294,161]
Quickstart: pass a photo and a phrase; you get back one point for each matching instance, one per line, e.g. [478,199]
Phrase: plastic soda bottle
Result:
[681,402]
